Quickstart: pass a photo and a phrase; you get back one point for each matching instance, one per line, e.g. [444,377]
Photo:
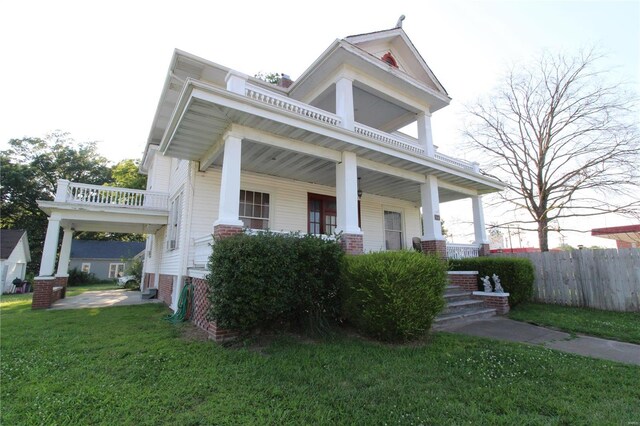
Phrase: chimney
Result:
[285,81]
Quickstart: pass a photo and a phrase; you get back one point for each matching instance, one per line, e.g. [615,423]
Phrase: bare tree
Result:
[563,139]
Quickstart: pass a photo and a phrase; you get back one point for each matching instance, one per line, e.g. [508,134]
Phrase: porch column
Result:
[424,133]
[432,241]
[479,228]
[344,102]
[228,221]
[65,253]
[347,203]
[48,261]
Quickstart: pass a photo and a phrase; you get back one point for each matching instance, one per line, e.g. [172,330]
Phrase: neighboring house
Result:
[14,256]
[104,259]
[626,236]
[323,154]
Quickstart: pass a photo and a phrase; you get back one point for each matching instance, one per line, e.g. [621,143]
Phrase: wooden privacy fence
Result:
[602,279]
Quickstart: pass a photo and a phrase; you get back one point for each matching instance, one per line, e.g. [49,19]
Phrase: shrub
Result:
[274,281]
[516,274]
[77,277]
[393,295]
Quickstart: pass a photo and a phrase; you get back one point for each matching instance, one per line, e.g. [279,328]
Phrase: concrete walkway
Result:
[102,299]
[516,331]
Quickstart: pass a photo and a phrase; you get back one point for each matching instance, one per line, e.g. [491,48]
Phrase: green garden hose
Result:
[185,305]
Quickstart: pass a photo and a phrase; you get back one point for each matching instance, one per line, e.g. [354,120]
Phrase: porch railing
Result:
[108,196]
[461,251]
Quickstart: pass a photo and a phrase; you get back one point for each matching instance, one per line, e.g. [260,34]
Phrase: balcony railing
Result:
[461,251]
[108,196]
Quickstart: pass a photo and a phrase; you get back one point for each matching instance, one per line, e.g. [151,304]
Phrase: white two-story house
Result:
[322,155]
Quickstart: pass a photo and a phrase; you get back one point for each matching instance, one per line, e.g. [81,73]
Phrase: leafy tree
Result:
[125,174]
[30,169]
[271,77]
[563,139]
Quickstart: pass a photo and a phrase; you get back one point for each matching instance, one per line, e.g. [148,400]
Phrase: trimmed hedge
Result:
[393,296]
[516,274]
[274,281]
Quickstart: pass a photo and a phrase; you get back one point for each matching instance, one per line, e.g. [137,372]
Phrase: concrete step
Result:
[459,305]
[445,320]
[456,296]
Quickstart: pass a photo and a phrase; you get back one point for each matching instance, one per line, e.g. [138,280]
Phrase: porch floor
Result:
[102,299]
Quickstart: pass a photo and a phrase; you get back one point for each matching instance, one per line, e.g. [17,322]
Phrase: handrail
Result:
[461,251]
[82,193]
[282,102]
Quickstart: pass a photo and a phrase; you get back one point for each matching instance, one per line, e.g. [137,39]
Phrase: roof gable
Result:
[88,249]
[396,45]
[9,239]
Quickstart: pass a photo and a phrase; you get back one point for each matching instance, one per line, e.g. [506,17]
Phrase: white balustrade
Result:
[393,140]
[456,162]
[108,196]
[461,251]
[282,102]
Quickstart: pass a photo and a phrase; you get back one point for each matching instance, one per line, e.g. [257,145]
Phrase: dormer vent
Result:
[389,59]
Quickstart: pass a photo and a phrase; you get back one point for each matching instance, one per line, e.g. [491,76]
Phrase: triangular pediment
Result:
[394,48]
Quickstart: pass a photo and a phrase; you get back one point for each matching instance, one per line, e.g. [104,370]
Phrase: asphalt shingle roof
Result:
[8,240]
[89,249]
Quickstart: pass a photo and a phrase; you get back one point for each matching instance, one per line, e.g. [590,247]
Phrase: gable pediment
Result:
[394,48]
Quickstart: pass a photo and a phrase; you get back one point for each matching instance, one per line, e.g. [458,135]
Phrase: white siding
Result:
[289,207]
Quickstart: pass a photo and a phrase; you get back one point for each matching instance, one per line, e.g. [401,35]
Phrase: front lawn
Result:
[124,365]
[623,326]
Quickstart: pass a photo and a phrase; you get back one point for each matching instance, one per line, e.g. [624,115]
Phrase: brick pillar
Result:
[42,292]
[437,247]
[62,281]
[352,243]
[484,250]
[225,231]
[200,314]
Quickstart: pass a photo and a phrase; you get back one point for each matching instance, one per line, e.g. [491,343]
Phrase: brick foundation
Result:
[437,247]
[497,301]
[225,231]
[466,280]
[165,288]
[200,312]
[352,243]
[484,250]
[148,281]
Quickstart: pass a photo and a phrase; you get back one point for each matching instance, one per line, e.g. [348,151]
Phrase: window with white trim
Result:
[254,209]
[173,233]
[86,267]
[116,270]
[393,230]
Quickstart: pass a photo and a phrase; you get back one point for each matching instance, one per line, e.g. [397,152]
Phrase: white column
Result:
[236,82]
[431,209]
[65,253]
[48,261]
[344,102]
[62,189]
[478,220]
[347,194]
[424,133]
[230,183]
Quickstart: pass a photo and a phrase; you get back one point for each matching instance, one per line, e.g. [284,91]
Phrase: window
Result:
[254,209]
[116,270]
[323,216]
[173,234]
[86,267]
[393,230]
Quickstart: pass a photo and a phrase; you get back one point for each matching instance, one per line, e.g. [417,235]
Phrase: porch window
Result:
[86,267]
[116,270]
[254,209]
[173,234]
[393,230]
[322,214]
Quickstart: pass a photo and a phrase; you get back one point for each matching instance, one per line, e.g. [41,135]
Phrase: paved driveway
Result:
[102,299]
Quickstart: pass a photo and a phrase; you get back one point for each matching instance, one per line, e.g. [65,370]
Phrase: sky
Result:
[96,69]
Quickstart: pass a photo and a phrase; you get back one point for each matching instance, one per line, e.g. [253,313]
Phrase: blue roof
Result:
[88,249]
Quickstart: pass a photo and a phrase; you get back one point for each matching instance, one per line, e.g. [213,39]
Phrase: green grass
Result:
[623,326]
[125,366]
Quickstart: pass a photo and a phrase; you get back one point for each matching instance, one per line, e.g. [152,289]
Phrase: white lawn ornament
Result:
[498,286]
[487,284]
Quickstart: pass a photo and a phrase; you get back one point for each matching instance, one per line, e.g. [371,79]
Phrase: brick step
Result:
[456,296]
[444,320]
[460,305]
